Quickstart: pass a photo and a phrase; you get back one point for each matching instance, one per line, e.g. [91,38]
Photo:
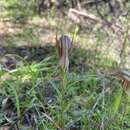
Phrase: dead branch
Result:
[84,14]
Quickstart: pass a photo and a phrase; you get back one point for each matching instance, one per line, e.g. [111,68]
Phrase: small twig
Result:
[89,2]
[49,118]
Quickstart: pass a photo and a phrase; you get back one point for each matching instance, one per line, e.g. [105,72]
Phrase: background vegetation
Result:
[35,94]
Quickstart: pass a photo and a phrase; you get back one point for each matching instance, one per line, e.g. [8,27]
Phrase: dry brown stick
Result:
[84,14]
